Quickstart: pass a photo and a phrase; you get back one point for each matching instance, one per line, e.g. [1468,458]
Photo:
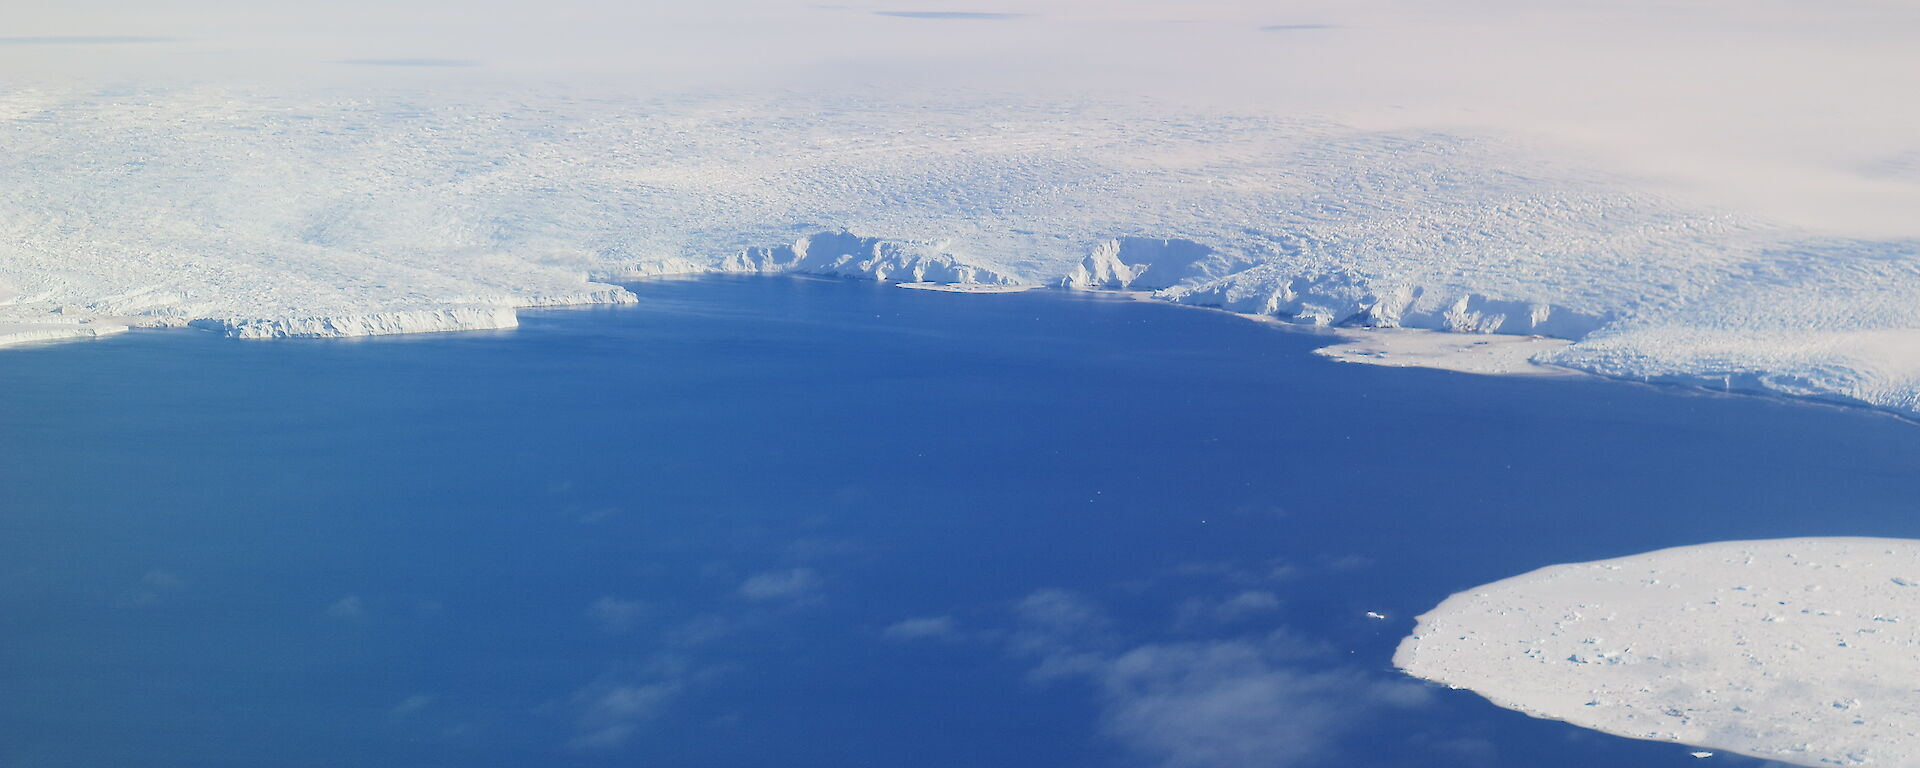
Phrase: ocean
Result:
[759,521]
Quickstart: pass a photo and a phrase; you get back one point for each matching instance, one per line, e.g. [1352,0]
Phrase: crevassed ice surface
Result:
[263,214]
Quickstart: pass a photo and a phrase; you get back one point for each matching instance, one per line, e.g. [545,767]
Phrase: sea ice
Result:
[1804,651]
[1499,355]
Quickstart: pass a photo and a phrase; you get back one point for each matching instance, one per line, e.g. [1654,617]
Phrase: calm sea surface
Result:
[783,522]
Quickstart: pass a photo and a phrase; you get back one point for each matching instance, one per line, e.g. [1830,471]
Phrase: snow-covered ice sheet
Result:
[262,213]
[1805,651]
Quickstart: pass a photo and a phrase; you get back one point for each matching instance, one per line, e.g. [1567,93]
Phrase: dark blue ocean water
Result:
[781,522]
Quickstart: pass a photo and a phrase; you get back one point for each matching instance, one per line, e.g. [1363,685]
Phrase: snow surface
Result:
[1805,651]
[266,213]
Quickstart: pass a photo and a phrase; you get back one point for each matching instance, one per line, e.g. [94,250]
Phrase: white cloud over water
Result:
[1202,612]
[349,608]
[611,713]
[1261,700]
[618,615]
[794,584]
[1234,703]
[915,629]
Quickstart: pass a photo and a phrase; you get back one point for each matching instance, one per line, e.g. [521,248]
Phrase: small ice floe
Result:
[1701,754]
[1373,615]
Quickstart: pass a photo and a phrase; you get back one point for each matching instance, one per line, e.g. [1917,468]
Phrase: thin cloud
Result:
[410,706]
[349,608]
[1060,612]
[1235,704]
[410,62]
[84,40]
[1296,27]
[917,629]
[611,710]
[1903,167]
[1261,701]
[974,15]
[617,616]
[793,584]
[610,714]
[1200,612]
[159,579]
[819,548]
[157,585]
[699,630]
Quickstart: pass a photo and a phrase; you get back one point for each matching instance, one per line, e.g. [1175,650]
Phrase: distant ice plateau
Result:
[267,214]
[1803,651]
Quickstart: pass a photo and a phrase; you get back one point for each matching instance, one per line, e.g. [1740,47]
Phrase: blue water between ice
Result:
[688,533]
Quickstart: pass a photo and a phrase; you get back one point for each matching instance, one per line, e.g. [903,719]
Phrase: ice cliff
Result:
[262,214]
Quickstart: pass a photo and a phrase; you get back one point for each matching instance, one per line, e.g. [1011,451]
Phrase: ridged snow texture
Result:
[269,214]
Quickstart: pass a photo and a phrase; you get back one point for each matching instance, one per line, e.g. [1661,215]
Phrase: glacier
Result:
[261,213]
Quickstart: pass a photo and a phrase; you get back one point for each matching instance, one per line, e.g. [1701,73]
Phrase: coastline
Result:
[26,334]
[1476,353]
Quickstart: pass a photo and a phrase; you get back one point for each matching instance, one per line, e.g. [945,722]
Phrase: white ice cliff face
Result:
[843,254]
[369,324]
[271,214]
[1138,263]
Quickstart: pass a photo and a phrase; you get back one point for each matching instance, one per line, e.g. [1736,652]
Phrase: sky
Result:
[1799,112]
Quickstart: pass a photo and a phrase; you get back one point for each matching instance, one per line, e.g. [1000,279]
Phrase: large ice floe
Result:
[260,213]
[1804,651]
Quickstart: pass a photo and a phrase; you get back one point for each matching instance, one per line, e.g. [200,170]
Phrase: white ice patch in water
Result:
[1500,355]
[1805,651]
